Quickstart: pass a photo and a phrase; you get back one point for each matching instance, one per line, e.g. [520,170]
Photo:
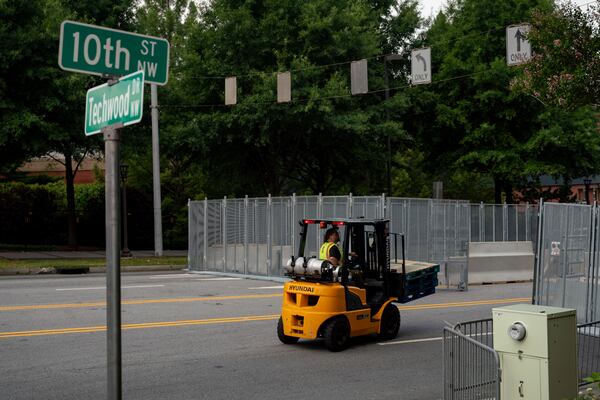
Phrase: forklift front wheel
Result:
[390,323]
[337,334]
[285,339]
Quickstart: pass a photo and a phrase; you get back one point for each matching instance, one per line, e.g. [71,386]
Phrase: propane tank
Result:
[310,267]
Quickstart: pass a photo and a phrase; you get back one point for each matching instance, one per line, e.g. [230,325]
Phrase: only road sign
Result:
[103,51]
[121,103]
[518,48]
[420,66]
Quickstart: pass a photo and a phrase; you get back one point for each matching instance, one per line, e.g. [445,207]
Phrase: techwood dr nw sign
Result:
[120,103]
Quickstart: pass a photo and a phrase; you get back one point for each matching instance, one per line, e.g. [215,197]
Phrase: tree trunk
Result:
[497,191]
[508,190]
[71,216]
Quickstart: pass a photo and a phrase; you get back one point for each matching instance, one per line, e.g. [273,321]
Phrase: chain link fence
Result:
[256,236]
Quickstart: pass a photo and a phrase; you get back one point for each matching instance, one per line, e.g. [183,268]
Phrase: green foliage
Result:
[477,124]
[320,143]
[565,70]
[590,393]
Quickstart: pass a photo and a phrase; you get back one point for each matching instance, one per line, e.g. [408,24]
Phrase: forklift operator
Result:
[330,249]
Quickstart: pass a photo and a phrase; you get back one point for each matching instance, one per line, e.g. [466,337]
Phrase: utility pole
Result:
[389,58]
[113,261]
[158,242]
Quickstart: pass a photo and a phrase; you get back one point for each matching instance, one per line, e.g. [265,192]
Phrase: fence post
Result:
[269,234]
[504,222]
[189,262]
[255,235]
[527,222]
[429,230]
[494,223]
[591,262]
[349,206]
[382,210]
[481,222]
[246,235]
[320,206]
[224,233]
[204,256]
[293,223]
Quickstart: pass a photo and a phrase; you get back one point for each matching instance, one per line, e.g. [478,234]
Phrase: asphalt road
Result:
[205,337]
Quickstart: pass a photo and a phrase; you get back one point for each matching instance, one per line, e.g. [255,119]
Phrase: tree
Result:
[478,124]
[325,140]
[564,75]
[565,69]
[40,102]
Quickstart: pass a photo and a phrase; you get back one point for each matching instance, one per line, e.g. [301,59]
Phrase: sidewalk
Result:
[48,255]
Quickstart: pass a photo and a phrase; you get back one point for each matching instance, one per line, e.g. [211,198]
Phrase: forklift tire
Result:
[337,334]
[390,323]
[285,339]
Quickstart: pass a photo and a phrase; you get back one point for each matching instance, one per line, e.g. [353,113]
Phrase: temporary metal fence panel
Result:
[564,267]
[503,222]
[471,369]
[196,234]
[257,235]
[369,207]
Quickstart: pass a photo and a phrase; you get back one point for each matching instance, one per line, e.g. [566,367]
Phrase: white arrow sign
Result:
[518,48]
[420,63]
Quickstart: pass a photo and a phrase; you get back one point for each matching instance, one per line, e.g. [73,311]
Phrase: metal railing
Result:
[471,368]
[588,350]
[481,331]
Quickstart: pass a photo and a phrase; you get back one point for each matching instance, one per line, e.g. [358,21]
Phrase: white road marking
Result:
[431,339]
[266,287]
[104,287]
[167,276]
[218,279]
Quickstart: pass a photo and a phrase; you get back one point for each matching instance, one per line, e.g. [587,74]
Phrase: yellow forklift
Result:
[355,297]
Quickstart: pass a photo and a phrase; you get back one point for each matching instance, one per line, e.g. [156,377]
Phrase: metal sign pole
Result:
[113,261]
[158,243]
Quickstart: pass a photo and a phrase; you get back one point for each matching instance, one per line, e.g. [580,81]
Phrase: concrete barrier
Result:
[492,262]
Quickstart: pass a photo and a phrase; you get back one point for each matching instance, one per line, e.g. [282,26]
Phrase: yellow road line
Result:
[465,303]
[141,301]
[149,325]
[240,297]
[88,329]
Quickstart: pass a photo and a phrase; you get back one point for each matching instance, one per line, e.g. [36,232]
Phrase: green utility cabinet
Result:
[537,347]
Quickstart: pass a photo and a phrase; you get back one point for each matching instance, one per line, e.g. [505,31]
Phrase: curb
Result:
[92,270]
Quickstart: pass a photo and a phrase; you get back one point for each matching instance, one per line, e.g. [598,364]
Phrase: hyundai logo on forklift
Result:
[355,294]
[302,288]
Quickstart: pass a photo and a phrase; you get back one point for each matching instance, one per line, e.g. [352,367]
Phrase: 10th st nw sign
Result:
[103,51]
[120,103]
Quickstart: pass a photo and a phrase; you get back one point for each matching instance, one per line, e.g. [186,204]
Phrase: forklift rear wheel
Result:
[337,334]
[390,322]
[285,339]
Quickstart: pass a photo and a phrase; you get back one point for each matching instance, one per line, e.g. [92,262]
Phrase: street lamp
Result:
[386,59]
[124,168]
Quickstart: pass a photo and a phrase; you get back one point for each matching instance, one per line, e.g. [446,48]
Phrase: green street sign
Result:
[121,103]
[103,51]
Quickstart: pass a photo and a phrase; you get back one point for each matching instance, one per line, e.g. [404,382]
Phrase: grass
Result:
[88,262]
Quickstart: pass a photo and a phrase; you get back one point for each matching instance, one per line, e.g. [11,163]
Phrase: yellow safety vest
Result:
[325,248]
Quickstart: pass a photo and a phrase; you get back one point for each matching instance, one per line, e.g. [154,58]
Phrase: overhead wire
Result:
[320,98]
[323,66]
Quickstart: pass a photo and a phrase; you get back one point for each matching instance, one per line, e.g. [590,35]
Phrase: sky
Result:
[431,7]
